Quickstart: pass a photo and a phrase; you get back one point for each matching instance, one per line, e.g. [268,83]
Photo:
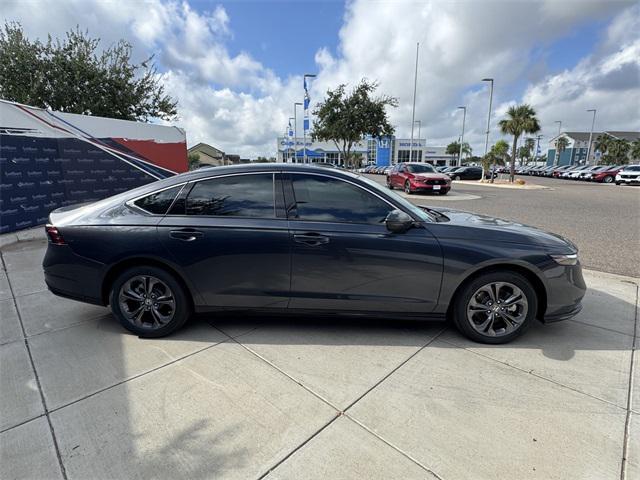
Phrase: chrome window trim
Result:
[131,202]
[213,177]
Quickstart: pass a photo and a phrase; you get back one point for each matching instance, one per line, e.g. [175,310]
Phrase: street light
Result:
[464,118]
[486,142]
[291,118]
[413,111]
[306,75]
[295,130]
[593,122]
[559,122]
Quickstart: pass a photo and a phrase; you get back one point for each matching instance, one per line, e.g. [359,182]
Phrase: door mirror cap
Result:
[398,221]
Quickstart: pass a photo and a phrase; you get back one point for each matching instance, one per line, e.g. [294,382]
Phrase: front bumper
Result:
[423,187]
[565,290]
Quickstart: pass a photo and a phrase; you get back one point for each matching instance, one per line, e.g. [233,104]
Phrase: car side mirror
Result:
[398,221]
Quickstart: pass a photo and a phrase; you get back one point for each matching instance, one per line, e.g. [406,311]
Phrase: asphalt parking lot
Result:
[603,220]
[306,398]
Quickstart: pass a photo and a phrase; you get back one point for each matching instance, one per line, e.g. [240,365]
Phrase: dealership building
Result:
[373,151]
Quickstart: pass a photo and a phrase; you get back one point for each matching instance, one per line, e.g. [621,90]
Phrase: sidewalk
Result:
[290,399]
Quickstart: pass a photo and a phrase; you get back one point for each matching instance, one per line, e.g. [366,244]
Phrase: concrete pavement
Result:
[308,398]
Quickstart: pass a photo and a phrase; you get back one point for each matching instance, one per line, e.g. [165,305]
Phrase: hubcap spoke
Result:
[147,302]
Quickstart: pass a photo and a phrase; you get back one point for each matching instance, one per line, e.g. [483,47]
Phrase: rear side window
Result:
[325,199]
[249,196]
[158,203]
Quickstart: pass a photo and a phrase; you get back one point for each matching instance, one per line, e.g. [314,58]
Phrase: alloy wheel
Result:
[497,309]
[147,302]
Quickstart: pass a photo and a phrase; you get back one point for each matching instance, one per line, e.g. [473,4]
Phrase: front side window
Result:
[325,199]
[159,202]
[248,196]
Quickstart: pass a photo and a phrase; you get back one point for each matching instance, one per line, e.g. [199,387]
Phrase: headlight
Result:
[571,259]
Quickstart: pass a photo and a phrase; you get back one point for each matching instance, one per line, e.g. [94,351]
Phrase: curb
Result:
[526,186]
[33,233]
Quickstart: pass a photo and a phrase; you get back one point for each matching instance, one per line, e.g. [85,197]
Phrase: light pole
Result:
[306,112]
[413,111]
[559,122]
[289,131]
[593,122]
[535,154]
[295,129]
[464,119]
[419,122]
[486,142]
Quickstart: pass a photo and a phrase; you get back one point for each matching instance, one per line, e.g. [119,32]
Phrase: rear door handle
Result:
[311,239]
[186,234]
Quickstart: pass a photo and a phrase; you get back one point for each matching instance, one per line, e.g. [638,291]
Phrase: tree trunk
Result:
[512,172]
[493,171]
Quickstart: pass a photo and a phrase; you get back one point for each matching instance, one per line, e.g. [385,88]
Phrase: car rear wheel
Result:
[389,186]
[407,187]
[457,177]
[443,192]
[495,307]
[607,179]
[149,302]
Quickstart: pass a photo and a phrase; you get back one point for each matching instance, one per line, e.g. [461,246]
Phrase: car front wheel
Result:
[389,186]
[608,179]
[495,307]
[149,301]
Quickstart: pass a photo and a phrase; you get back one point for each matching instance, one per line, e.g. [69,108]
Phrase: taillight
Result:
[55,236]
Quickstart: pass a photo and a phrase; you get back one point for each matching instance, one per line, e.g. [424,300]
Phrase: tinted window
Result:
[327,199]
[158,203]
[235,196]
[420,168]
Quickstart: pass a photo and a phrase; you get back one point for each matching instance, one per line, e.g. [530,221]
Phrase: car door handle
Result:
[311,239]
[186,234]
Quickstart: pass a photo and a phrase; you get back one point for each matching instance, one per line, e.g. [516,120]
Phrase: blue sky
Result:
[235,67]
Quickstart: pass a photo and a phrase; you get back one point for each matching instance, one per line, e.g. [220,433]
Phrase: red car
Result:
[607,175]
[418,177]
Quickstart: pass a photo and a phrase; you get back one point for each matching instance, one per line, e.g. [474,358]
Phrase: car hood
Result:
[466,225]
[430,176]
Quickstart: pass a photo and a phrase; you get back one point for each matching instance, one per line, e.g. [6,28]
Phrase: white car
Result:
[575,174]
[628,175]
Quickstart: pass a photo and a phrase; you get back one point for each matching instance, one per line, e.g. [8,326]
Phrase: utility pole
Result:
[464,119]
[559,122]
[413,111]
[486,142]
[593,122]
[295,130]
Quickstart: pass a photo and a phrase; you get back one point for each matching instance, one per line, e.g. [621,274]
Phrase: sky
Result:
[236,67]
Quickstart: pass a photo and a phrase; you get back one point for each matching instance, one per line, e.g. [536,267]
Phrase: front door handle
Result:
[186,234]
[311,239]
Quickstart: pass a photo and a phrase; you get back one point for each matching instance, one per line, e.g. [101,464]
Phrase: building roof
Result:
[207,149]
[630,136]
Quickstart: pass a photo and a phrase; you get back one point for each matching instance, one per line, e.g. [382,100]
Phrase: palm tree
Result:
[499,153]
[603,143]
[617,152]
[520,119]
[530,144]
[561,145]
[635,149]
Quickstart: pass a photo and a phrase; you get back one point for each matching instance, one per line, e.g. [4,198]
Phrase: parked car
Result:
[570,174]
[418,177]
[629,175]
[466,173]
[557,171]
[586,174]
[575,175]
[607,175]
[298,239]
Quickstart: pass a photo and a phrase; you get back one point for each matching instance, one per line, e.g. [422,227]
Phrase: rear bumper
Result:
[72,276]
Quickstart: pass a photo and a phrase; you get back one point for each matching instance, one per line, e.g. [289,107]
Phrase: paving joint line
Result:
[627,422]
[43,401]
[537,375]
[580,322]
[339,412]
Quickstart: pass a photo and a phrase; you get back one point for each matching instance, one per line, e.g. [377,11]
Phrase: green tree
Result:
[194,161]
[602,143]
[561,145]
[524,154]
[530,143]
[453,149]
[74,75]
[618,151]
[520,119]
[635,150]
[345,118]
[499,154]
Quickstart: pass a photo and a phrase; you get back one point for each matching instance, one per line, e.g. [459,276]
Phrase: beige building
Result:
[208,155]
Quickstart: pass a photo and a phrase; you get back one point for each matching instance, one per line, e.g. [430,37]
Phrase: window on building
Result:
[248,196]
[325,199]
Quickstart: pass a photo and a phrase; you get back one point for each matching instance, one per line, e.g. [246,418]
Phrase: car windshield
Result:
[420,213]
[420,168]
[632,168]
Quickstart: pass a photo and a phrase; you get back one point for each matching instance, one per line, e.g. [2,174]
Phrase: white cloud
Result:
[238,103]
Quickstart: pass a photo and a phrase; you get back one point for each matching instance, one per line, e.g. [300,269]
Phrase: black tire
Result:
[618,183]
[464,296]
[407,188]
[389,186]
[443,192]
[181,311]
[457,177]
